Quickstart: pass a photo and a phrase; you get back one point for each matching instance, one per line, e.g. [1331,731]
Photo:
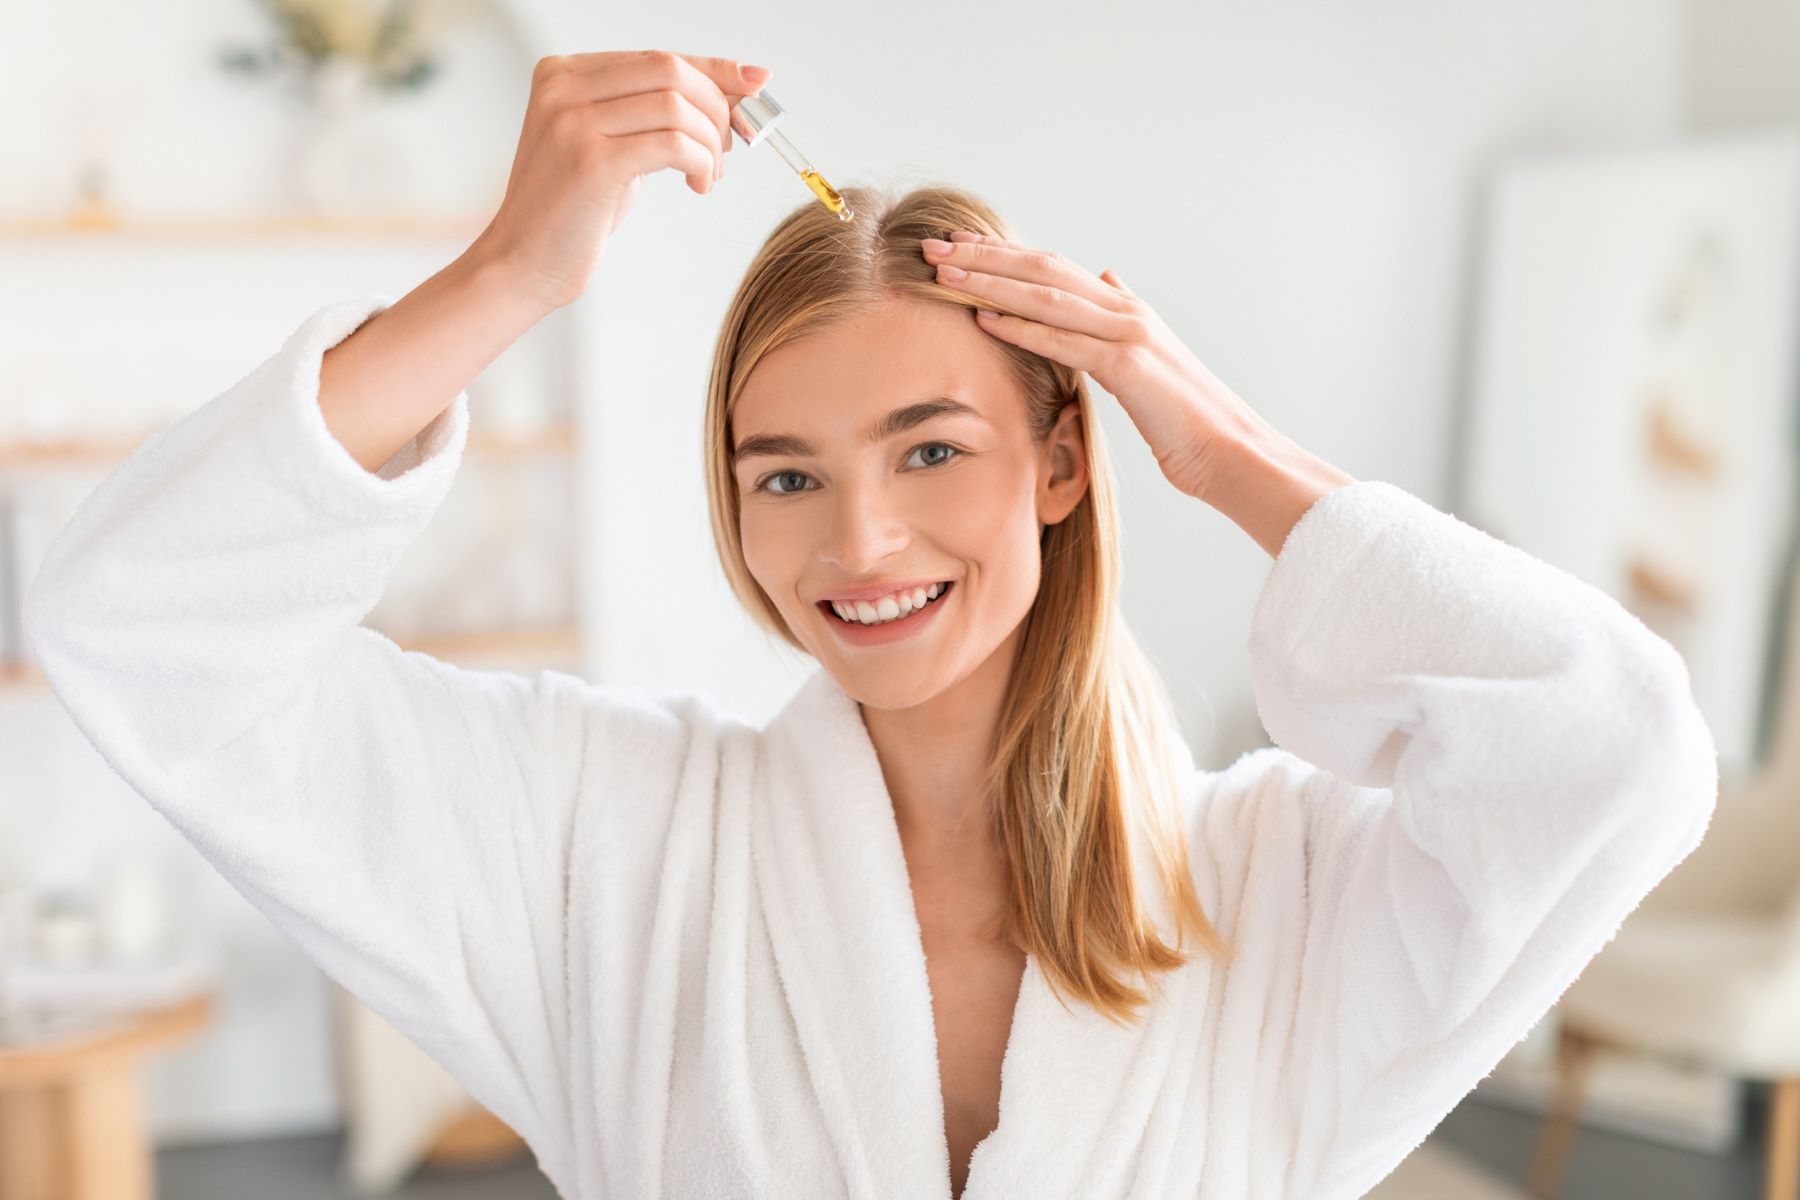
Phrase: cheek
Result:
[769,552]
[988,519]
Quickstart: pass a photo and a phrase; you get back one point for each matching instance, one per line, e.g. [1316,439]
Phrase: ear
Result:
[1063,473]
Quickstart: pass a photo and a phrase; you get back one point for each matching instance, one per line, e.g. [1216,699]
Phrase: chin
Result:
[869,689]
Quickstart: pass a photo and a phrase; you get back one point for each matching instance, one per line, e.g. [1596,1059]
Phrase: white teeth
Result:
[888,608]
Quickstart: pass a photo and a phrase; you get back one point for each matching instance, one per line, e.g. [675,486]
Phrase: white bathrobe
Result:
[679,953]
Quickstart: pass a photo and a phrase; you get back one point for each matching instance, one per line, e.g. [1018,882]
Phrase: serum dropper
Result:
[754,119]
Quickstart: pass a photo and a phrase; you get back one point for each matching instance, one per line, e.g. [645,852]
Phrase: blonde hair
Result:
[1086,732]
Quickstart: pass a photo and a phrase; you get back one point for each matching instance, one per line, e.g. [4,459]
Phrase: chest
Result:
[974,990]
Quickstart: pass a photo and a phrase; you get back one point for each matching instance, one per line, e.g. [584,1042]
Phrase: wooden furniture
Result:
[71,1126]
[1576,1050]
[476,1139]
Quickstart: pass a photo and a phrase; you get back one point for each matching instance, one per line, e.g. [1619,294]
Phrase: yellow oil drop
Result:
[828,195]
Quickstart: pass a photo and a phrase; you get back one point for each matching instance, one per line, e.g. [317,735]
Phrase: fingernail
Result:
[935,245]
[750,74]
[963,235]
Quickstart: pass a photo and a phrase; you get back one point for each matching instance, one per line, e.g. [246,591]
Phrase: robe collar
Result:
[832,878]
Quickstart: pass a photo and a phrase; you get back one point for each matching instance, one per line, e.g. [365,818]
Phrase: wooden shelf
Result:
[296,225]
[552,441]
[557,641]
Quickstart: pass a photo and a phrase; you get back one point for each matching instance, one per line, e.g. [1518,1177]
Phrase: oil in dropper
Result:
[754,119]
[825,192]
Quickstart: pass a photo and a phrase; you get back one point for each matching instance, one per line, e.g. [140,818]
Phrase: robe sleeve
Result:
[404,821]
[1494,762]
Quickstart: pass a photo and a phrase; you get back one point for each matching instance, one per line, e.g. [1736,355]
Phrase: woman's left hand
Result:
[1094,323]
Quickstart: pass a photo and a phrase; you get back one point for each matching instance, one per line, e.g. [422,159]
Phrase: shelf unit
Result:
[558,641]
[234,227]
[552,441]
[562,643]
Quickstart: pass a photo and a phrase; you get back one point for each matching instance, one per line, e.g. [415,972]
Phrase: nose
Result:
[865,531]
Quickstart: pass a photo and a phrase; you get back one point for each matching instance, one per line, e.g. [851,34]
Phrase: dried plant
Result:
[393,40]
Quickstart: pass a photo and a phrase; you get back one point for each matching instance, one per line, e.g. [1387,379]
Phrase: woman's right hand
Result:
[595,125]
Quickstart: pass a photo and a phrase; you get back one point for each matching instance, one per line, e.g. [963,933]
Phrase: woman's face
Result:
[848,487]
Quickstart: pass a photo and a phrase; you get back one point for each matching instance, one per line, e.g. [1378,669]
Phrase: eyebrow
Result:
[786,445]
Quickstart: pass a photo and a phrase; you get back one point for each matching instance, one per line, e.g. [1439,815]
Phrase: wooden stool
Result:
[71,1126]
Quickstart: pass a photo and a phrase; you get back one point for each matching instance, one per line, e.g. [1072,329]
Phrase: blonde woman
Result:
[963,919]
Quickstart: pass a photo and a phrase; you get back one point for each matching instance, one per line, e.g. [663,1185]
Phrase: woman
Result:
[963,918]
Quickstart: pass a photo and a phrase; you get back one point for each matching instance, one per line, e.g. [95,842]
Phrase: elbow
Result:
[64,620]
[1679,757]
[38,620]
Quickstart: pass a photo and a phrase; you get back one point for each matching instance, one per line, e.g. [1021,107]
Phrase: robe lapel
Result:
[1076,1089]
[832,879]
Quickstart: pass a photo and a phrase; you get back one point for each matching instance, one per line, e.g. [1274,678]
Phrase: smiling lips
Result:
[892,607]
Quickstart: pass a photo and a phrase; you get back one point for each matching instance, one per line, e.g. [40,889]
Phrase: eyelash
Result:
[958,453]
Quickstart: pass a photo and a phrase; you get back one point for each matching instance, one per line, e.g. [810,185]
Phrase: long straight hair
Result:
[1086,741]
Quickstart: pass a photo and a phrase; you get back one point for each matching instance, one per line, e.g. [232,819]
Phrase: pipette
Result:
[754,119]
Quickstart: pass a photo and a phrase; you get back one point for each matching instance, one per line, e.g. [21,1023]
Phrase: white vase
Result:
[131,912]
[346,166]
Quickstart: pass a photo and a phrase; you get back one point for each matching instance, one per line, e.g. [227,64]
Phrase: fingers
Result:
[655,149]
[1111,276]
[1079,350]
[1036,285]
[1012,264]
[707,84]
[734,78]
[666,119]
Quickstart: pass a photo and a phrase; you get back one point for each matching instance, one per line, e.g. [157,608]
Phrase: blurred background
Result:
[1537,262]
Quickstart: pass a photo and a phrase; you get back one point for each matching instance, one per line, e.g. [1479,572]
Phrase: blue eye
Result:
[780,491]
[954,452]
[938,446]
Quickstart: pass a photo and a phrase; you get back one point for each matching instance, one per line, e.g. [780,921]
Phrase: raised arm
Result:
[399,370]
[406,822]
[1483,765]
[198,619]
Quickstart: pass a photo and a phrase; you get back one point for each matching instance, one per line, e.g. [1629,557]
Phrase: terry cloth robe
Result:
[678,952]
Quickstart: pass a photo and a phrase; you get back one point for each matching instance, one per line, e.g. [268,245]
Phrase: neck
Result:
[933,757]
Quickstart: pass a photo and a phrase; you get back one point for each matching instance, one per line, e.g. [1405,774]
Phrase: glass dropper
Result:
[754,119]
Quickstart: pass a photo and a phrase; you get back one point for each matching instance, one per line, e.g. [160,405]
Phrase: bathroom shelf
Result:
[557,642]
[551,441]
[296,225]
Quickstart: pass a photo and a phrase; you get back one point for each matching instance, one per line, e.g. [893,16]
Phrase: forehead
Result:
[832,381]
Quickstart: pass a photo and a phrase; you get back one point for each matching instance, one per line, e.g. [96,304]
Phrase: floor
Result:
[1607,1165]
[1478,1153]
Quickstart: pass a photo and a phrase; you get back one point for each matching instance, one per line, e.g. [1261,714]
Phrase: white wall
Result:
[1741,67]
[1293,187]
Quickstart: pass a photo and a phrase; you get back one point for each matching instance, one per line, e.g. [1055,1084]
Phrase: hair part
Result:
[1085,748]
